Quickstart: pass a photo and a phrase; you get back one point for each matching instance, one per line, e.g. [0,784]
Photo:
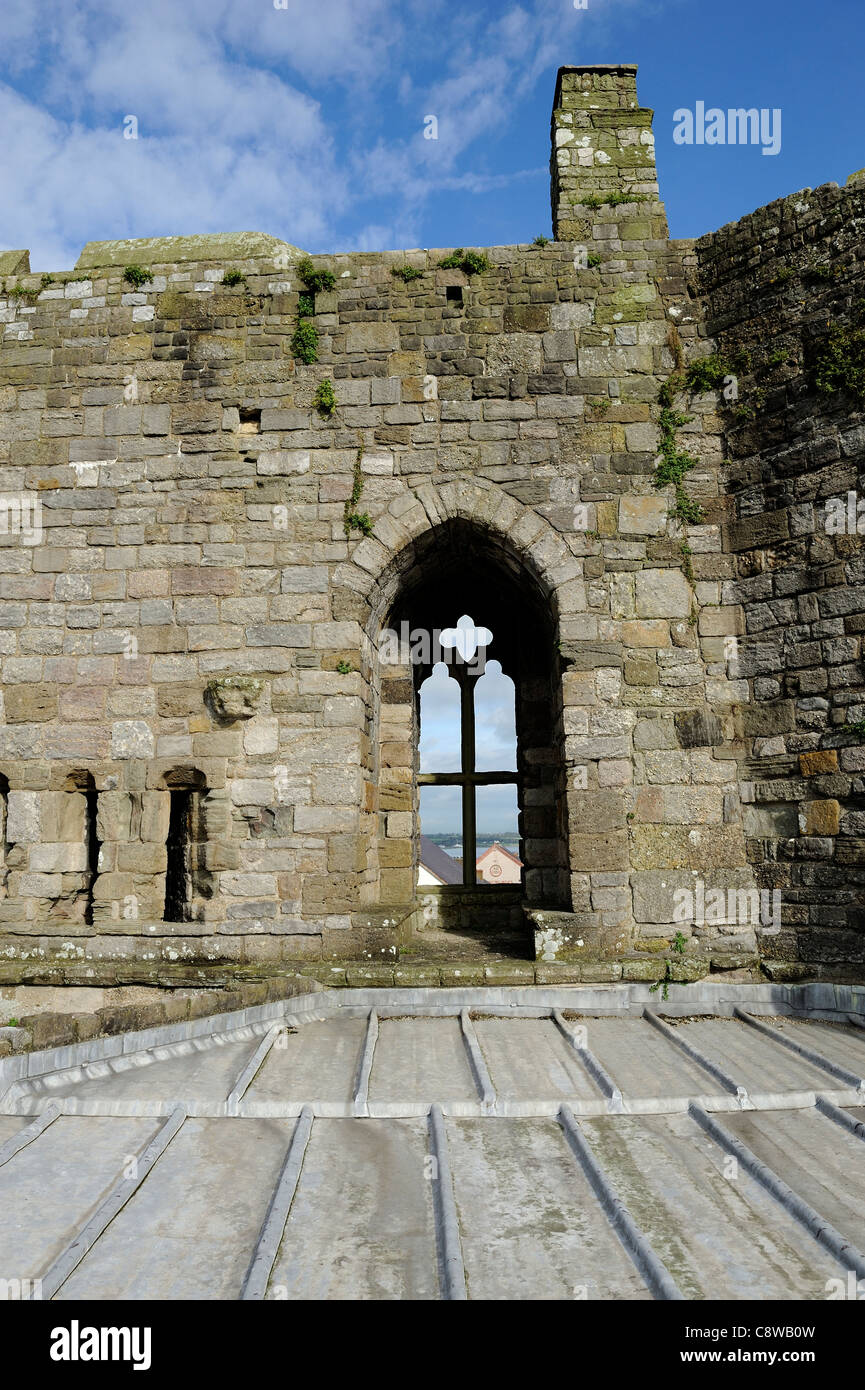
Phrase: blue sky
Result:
[495,749]
[307,121]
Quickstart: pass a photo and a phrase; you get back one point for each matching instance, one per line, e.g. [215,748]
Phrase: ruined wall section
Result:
[192,627]
[779,289]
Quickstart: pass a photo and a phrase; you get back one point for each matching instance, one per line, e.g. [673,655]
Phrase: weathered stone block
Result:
[59,858]
[642,516]
[24,817]
[141,858]
[597,852]
[26,704]
[248,885]
[765,720]
[697,728]
[372,337]
[132,738]
[820,818]
[820,761]
[662,594]
[155,812]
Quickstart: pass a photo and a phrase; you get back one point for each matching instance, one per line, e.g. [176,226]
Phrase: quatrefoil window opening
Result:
[467,639]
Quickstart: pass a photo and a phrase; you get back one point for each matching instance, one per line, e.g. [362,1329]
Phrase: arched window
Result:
[441,751]
[468,761]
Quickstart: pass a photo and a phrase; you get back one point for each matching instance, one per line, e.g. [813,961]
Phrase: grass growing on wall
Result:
[324,399]
[840,364]
[137,275]
[471,262]
[304,342]
[674,462]
[316,281]
[353,520]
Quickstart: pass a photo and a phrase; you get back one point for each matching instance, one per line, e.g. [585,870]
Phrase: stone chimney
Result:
[603,148]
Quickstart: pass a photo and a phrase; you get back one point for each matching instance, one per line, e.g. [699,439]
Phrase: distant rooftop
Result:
[439,862]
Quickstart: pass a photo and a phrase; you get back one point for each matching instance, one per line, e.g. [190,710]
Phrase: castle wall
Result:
[776,287]
[193,622]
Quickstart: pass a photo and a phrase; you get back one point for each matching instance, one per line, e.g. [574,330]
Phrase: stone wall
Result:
[776,287]
[190,627]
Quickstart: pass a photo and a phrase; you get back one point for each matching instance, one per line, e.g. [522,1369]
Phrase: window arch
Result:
[475,694]
[462,564]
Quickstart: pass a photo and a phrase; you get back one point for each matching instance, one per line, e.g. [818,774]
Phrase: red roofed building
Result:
[498,865]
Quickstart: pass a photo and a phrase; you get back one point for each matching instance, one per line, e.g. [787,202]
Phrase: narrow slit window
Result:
[86,835]
[178,870]
[4,822]
[92,847]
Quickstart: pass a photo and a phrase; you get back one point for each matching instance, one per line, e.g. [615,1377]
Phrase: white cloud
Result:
[62,185]
[284,121]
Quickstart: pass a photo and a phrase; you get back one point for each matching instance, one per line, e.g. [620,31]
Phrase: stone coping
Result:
[214,246]
[412,970]
[63,1030]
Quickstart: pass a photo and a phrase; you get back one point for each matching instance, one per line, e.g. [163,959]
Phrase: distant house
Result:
[498,865]
[436,866]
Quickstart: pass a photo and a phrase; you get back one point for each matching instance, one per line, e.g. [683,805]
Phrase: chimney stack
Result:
[603,148]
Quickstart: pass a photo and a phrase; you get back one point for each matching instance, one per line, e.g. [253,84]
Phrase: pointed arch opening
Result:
[467,723]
